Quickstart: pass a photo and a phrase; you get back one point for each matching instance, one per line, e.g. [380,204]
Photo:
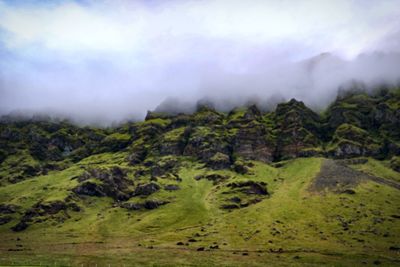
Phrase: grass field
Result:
[292,226]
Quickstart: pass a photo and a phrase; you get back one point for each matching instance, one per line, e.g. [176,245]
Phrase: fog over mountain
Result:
[108,61]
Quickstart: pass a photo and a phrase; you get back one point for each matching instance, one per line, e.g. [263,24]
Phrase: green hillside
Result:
[289,187]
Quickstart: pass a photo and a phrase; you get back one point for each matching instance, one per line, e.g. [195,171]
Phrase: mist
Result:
[109,61]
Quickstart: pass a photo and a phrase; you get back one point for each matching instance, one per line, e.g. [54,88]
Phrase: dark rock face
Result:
[240,168]
[153,204]
[251,187]
[5,219]
[148,204]
[347,150]
[205,141]
[146,189]
[251,143]
[395,164]
[238,203]
[171,148]
[57,210]
[219,161]
[163,167]
[356,124]
[350,141]
[297,128]
[215,178]
[252,192]
[137,156]
[207,115]
[89,189]
[113,144]
[50,208]
[174,142]
[8,208]
[112,183]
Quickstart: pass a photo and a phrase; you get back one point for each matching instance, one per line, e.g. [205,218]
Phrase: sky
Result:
[108,61]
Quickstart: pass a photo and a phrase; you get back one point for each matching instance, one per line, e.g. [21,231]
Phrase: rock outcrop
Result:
[105,182]
[42,211]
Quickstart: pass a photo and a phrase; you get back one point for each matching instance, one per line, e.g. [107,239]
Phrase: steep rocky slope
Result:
[208,187]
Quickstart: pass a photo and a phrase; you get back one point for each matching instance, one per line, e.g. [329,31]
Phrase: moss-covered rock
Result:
[219,161]
[351,141]
[297,130]
[111,182]
[395,163]
[115,142]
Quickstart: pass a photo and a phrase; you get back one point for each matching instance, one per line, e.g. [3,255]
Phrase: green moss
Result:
[237,113]
[105,159]
[157,121]
[118,137]
[379,168]
[174,135]
[219,157]
[350,134]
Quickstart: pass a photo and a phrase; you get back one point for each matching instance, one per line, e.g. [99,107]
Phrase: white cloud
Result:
[345,26]
[117,58]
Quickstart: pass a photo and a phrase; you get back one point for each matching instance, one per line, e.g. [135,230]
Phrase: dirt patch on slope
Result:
[340,178]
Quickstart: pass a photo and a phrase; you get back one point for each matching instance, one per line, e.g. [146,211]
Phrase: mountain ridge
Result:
[286,187]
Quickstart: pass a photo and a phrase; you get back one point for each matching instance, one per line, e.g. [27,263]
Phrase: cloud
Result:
[111,60]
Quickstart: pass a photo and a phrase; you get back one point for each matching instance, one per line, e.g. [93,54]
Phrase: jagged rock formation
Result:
[290,180]
[112,183]
[356,124]
[298,130]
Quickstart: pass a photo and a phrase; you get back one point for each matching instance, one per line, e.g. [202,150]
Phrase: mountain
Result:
[290,187]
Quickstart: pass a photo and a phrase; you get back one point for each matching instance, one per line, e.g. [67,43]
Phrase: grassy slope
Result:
[379,168]
[299,222]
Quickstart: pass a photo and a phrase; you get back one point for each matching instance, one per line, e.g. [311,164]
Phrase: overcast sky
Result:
[112,60]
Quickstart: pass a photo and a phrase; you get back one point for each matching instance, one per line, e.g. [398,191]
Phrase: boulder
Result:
[163,167]
[90,189]
[250,187]
[137,156]
[214,177]
[240,167]
[105,182]
[147,204]
[146,189]
[218,161]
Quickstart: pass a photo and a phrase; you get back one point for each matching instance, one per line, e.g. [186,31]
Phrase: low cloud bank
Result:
[109,61]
